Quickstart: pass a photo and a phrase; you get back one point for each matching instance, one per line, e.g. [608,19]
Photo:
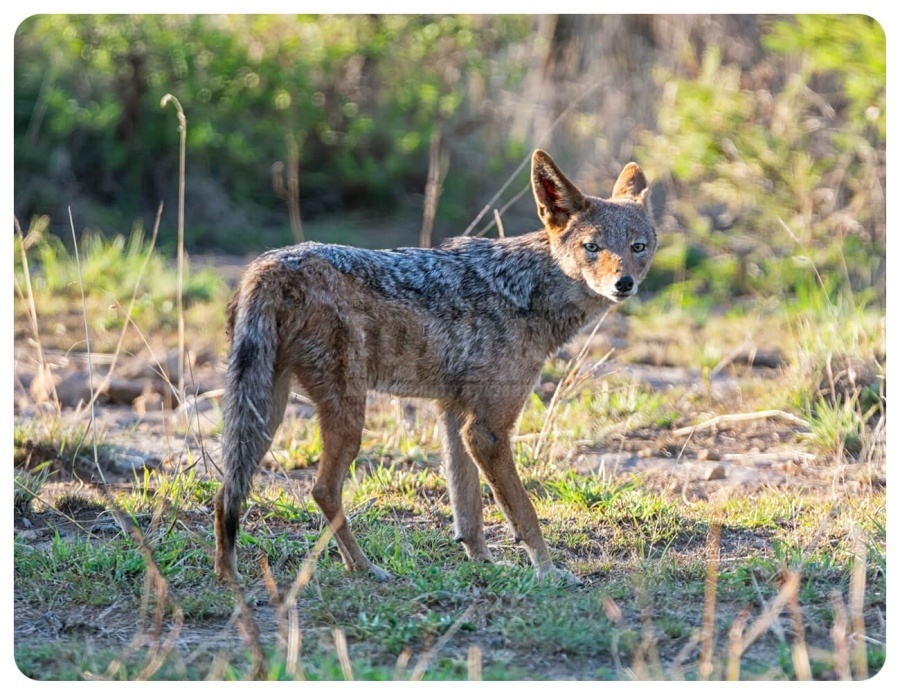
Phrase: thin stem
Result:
[87,342]
[182,128]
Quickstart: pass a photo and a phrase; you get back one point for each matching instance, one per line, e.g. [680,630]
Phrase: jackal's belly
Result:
[414,374]
[448,370]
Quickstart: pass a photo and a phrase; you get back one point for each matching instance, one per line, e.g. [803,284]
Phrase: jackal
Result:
[468,324]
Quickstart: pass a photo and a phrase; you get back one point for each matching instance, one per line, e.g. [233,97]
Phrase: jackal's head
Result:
[606,244]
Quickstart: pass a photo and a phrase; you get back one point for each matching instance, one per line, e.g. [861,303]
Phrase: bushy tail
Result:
[247,409]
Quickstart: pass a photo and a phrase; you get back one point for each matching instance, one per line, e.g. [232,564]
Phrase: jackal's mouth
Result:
[621,295]
[612,296]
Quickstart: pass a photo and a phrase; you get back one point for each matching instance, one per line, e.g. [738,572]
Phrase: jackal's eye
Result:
[638,247]
[592,247]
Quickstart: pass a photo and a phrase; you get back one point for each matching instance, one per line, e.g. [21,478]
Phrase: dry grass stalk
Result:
[304,574]
[639,665]
[182,150]
[112,365]
[840,635]
[776,625]
[675,669]
[540,141]
[799,652]
[499,212]
[437,171]
[788,589]
[249,631]
[733,669]
[219,666]
[87,343]
[568,382]
[652,669]
[614,613]
[707,632]
[44,371]
[340,646]
[499,223]
[473,662]
[291,193]
[739,417]
[294,642]
[293,196]
[290,636]
[422,664]
[857,600]
[159,649]
[402,662]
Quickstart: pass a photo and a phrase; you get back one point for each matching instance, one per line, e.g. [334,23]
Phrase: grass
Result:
[110,268]
[629,545]
[49,443]
[644,545]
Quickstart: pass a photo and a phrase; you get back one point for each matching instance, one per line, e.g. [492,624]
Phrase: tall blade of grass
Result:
[733,670]
[566,382]
[857,600]
[763,622]
[32,314]
[422,664]
[109,373]
[340,646]
[437,170]
[87,342]
[707,633]
[402,662]
[473,662]
[840,633]
[159,649]
[799,652]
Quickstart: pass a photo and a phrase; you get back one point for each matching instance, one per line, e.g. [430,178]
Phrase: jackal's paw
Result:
[484,558]
[379,574]
[563,576]
[228,576]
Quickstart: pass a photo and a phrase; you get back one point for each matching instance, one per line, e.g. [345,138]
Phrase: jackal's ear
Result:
[632,184]
[556,196]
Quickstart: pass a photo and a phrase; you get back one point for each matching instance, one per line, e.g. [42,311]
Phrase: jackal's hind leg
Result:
[341,426]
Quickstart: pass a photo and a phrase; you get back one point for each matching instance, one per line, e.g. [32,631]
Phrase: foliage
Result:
[362,94]
[767,166]
[782,166]
[109,271]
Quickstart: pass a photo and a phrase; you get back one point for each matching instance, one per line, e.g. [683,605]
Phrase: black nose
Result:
[625,284]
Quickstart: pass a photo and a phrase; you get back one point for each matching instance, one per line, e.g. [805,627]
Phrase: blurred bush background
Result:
[764,137]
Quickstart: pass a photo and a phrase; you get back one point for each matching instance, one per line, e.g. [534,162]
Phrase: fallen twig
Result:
[740,417]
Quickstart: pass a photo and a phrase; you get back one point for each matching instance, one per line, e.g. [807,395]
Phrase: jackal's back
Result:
[428,321]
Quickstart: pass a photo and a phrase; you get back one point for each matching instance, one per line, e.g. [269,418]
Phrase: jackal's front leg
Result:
[465,490]
[491,450]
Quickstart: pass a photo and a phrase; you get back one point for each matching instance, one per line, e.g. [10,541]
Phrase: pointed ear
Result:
[632,184]
[556,196]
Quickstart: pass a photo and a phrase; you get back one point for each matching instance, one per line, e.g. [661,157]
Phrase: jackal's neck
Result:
[562,304]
